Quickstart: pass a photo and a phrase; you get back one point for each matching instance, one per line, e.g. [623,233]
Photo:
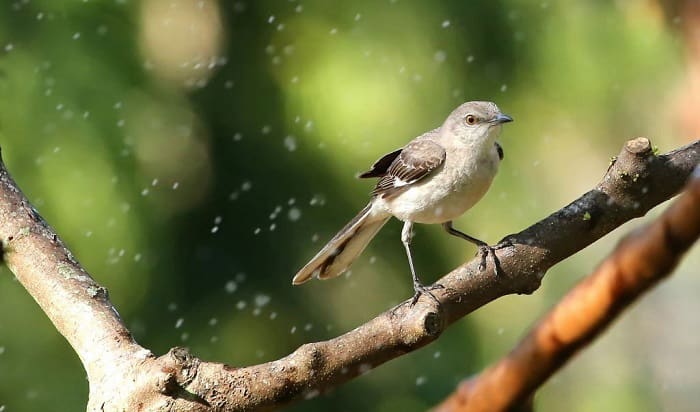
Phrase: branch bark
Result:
[639,262]
[125,376]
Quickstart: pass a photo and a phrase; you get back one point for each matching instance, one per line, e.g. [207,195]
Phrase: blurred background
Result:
[195,153]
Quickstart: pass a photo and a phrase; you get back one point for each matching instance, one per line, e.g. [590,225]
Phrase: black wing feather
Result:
[414,162]
[381,166]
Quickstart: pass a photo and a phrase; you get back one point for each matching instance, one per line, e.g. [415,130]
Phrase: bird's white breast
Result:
[450,190]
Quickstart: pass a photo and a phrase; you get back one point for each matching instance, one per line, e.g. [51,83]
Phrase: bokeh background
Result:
[195,153]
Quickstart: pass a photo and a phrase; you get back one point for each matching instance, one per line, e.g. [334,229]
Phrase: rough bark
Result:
[125,376]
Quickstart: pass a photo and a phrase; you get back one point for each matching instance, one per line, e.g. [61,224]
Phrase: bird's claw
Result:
[422,289]
[503,244]
[486,250]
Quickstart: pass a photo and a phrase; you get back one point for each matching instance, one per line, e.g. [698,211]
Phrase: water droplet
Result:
[440,56]
[261,300]
[230,286]
[311,394]
[290,142]
[317,200]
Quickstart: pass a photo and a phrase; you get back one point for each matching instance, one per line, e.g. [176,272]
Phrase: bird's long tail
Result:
[337,256]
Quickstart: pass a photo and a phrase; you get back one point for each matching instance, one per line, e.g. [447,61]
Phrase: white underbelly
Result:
[436,205]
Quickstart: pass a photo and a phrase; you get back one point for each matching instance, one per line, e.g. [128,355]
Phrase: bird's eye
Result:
[470,119]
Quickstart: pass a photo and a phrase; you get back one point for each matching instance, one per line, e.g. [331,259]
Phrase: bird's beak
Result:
[501,118]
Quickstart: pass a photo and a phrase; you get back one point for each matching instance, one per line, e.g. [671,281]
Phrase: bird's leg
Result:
[406,236]
[484,248]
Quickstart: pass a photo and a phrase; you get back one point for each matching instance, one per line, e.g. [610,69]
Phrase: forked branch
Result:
[125,376]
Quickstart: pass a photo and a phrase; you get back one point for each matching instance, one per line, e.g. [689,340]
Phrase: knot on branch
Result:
[312,356]
[629,175]
[180,368]
[639,146]
[420,324]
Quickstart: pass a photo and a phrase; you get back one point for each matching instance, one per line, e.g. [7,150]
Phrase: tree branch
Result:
[78,307]
[639,262]
[125,376]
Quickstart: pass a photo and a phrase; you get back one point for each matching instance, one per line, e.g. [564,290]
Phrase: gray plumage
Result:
[433,179]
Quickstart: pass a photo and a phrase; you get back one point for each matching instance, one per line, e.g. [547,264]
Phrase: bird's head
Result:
[474,122]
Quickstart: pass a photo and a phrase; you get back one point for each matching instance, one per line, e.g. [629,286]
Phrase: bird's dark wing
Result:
[381,166]
[415,161]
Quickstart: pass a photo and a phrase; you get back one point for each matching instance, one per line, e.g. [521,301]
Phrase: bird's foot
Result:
[485,250]
[425,290]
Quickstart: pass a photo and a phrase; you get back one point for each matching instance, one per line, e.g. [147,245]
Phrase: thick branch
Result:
[636,181]
[123,375]
[78,307]
[639,262]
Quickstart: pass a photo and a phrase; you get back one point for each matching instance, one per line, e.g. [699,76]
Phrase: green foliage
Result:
[194,194]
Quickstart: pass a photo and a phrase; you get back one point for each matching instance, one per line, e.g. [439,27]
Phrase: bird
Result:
[433,179]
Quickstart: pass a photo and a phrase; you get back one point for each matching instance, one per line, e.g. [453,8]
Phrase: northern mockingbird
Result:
[433,179]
